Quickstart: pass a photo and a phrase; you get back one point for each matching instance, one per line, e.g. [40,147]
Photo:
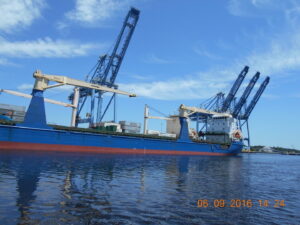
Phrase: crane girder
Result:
[234,89]
[245,95]
[255,99]
[42,83]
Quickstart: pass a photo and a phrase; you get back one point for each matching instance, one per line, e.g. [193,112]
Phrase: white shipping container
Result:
[127,123]
[167,135]
[106,124]
[154,132]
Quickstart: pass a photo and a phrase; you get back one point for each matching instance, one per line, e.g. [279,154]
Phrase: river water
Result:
[56,188]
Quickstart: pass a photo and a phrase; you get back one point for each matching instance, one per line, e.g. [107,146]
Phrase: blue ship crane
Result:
[245,95]
[255,99]
[105,73]
[234,89]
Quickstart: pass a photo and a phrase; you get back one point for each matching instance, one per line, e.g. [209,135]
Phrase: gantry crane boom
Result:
[107,69]
[245,95]
[234,89]
[255,99]
[118,53]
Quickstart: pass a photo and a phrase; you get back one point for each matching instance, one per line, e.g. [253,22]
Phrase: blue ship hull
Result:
[39,139]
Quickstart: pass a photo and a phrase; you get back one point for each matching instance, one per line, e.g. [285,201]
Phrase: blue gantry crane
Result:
[105,73]
[234,89]
[245,116]
[239,110]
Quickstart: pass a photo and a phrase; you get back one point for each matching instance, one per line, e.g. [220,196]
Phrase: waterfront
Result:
[57,188]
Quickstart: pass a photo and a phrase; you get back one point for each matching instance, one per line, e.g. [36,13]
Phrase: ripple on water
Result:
[116,189]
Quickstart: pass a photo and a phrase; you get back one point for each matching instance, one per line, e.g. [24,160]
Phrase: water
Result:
[56,188]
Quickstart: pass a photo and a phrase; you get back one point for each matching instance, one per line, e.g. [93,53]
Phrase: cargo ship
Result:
[38,139]
[34,134]
[222,118]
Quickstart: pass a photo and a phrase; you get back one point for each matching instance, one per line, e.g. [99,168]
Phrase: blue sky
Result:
[181,52]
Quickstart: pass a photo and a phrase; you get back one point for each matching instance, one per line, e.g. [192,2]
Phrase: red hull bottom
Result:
[6,145]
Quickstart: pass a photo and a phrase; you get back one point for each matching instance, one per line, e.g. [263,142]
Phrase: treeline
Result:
[275,148]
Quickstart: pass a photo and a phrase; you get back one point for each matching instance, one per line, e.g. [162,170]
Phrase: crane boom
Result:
[234,89]
[255,99]
[30,96]
[42,81]
[200,110]
[245,95]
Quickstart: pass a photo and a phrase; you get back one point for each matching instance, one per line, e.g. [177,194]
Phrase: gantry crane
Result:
[250,107]
[218,107]
[105,73]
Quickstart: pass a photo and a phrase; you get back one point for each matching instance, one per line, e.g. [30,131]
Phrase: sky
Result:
[182,52]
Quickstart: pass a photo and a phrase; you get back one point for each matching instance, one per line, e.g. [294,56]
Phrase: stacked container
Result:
[14,112]
[130,127]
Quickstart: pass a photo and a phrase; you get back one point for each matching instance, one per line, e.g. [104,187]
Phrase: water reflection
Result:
[106,189]
[27,175]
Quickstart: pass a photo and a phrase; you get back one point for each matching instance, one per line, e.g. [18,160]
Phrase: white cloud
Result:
[46,47]
[140,77]
[67,88]
[205,53]
[6,62]
[157,60]
[93,12]
[18,14]
[281,56]
[259,8]
[293,16]
[277,59]
[283,52]
[61,25]
[271,96]
[202,85]
[297,95]
[25,87]
[63,88]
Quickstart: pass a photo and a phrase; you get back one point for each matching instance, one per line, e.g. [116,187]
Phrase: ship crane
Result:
[234,89]
[147,116]
[185,111]
[245,95]
[105,74]
[35,115]
[42,83]
[17,93]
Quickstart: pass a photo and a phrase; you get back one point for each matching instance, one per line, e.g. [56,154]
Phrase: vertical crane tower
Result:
[105,73]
